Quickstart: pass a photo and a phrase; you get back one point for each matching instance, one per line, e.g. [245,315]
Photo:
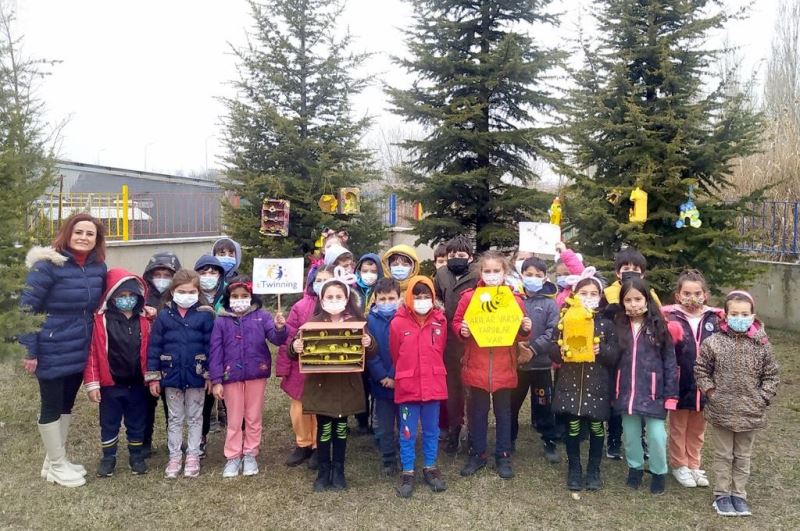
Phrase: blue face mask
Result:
[227,262]
[533,284]
[400,272]
[740,324]
[561,282]
[386,309]
[317,287]
[126,303]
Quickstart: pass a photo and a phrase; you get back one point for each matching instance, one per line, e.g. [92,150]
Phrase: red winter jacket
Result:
[97,373]
[418,351]
[490,369]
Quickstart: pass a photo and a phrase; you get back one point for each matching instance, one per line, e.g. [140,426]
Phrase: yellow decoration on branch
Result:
[577,333]
[555,212]
[328,203]
[638,214]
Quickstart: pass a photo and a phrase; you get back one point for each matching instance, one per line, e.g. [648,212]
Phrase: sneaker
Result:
[192,467]
[634,480]
[203,445]
[474,464]
[453,441]
[658,484]
[740,506]
[503,466]
[433,478]
[298,455]
[137,463]
[684,476]
[250,467]
[724,506]
[232,467]
[105,468]
[699,476]
[405,487]
[614,450]
[550,453]
[173,468]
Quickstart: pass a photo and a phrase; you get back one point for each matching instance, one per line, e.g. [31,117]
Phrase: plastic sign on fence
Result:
[493,316]
[275,276]
[539,238]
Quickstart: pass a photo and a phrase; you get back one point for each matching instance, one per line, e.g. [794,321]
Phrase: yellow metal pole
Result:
[124,212]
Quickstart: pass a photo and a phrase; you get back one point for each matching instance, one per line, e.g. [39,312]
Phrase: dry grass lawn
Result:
[282,498]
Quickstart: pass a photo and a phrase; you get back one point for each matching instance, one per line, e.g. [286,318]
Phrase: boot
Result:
[323,481]
[313,461]
[475,463]
[503,466]
[575,470]
[298,455]
[634,478]
[106,466]
[59,472]
[593,480]
[64,422]
[550,452]
[338,481]
[657,484]
[136,461]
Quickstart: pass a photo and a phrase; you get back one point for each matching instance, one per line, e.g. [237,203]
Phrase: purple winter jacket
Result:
[286,368]
[239,348]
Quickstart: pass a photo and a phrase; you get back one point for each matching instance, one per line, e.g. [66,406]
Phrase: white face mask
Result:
[240,305]
[162,284]
[492,279]
[207,283]
[185,300]
[334,307]
[369,278]
[590,303]
[423,306]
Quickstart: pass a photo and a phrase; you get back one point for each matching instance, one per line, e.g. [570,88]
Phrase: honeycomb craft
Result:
[330,349]
[577,333]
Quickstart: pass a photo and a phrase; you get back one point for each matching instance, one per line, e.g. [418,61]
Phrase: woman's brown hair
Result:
[183,276]
[61,241]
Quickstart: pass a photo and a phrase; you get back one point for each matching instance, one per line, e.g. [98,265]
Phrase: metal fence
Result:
[771,228]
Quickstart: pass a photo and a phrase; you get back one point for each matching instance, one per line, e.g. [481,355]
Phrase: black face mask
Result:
[627,275]
[458,266]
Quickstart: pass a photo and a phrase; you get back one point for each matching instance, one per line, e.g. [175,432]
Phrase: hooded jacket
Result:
[417,347]
[333,253]
[407,251]
[742,370]
[288,367]
[67,294]
[239,350]
[363,290]
[104,363]
[380,365]
[237,251]
[544,314]
[687,348]
[492,368]
[214,302]
[160,260]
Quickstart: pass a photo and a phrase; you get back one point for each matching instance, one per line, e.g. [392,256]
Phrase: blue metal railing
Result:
[771,228]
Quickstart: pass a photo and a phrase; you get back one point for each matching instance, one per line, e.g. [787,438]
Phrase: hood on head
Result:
[236,248]
[371,257]
[405,250]
[413,281]
[118,278]
[209,260]
[333,253]
[161,260]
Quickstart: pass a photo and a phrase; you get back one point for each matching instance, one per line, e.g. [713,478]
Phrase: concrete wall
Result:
[134,255]
[777,295]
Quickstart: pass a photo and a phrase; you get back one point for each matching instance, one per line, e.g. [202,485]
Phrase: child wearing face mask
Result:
[737,372]
[582,395]
[490,374]
[368,271]
[229,254]
[287,369]
[177,360]
[239,365]
[417,337]
[332,397]
[568,262]
[400,263]
[114,373]
[380,371]
[646,383]
[534,370]
[690,323]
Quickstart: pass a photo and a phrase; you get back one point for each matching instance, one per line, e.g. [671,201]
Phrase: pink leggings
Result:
[244,400]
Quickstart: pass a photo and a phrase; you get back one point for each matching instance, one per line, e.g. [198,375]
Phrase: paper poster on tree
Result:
[493,316]
[276,276]
[539,238]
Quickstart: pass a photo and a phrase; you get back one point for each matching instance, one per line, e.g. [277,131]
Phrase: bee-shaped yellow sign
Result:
[493,316]
[577,333]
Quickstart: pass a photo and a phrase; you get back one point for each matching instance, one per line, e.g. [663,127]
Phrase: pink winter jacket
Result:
[286,368]
[575,267]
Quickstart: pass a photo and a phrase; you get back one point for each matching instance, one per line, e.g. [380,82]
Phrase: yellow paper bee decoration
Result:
[577,333]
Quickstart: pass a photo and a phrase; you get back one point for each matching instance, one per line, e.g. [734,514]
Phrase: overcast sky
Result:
[138,79]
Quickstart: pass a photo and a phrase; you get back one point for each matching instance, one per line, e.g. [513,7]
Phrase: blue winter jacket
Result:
[178,351]
[380,366]
[68,294]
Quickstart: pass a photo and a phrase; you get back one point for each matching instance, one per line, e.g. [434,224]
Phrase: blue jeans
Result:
[385,422]
[411,414]
[480,401]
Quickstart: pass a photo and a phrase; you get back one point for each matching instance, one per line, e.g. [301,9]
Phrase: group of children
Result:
[192,336]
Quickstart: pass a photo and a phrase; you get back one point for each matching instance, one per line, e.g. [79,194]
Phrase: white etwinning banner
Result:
[539,238]
[278,275]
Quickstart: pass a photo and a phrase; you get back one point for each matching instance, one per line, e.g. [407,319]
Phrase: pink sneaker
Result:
[173,468]
[192,468]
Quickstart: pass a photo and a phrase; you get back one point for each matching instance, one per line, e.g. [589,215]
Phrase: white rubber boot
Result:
[64,423]
[59,472]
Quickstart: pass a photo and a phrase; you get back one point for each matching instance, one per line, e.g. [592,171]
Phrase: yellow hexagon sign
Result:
[493,316]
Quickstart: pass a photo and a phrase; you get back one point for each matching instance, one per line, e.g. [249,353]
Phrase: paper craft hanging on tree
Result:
[275,217]
[638,214]
[328,203]
[539,238]
[689,216]
[555,212]
[349,200]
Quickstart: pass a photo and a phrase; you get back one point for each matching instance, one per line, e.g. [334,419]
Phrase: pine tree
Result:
[643,115]
[290,133]
[481,85]
[25,171]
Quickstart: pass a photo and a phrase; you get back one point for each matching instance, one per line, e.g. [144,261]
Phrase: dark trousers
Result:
[208,410]
[576,428]
[386,417]
[455,390]
[479,403]
[152,404]
[615,429]
[364,418]
[118,403]
[331,435]
[58,397]
[540,383]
